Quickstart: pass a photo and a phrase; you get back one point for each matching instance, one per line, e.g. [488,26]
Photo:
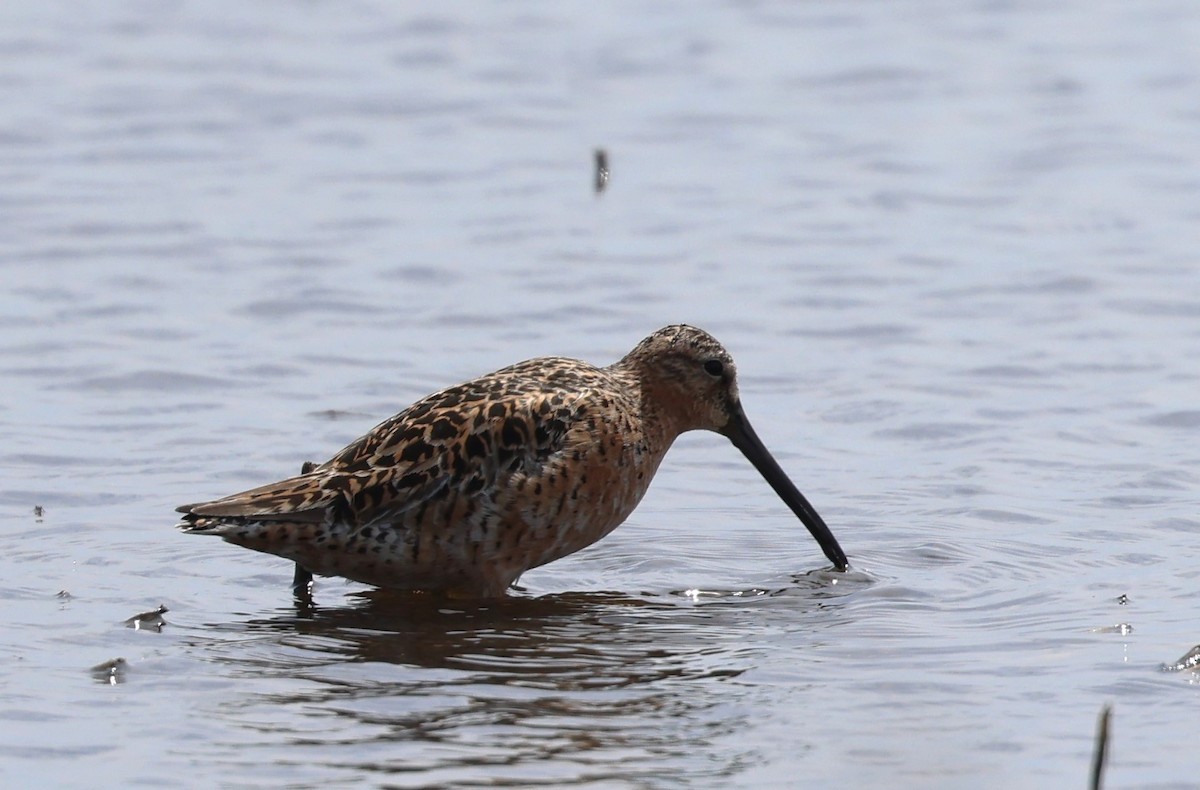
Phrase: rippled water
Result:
[952,246]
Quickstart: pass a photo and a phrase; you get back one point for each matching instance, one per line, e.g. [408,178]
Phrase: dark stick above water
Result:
[601,179]
[1100,754]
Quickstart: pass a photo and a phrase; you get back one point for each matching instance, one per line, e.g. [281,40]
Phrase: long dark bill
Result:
[745,439]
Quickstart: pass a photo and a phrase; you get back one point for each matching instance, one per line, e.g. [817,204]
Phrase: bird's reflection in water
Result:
[565,689]
[600,638]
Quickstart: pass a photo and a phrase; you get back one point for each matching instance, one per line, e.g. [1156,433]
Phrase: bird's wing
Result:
[458,441]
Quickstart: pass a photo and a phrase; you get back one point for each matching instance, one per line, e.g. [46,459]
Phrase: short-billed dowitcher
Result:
[469,487]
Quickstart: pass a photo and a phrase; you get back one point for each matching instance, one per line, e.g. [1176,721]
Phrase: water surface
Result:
[952,247]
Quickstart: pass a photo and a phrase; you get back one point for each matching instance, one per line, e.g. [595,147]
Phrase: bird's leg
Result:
[302,579]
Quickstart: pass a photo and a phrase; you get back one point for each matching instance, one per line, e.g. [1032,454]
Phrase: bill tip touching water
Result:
[471,486]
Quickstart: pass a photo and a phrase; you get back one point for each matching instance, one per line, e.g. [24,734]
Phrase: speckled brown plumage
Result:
[471,486]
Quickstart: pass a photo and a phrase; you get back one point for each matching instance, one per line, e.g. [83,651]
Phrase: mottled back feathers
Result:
[465,437]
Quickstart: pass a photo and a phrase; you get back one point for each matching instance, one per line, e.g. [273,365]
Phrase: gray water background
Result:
[953,247]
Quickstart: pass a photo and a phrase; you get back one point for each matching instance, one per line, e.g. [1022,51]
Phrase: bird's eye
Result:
[714,368]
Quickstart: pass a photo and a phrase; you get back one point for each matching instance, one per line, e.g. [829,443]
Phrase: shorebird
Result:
[469,487]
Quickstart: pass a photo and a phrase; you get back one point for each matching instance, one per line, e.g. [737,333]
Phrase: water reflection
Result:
[562,689]
[819,585]
[555,636]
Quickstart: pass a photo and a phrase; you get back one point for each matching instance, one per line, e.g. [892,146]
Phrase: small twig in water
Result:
[1100,753]
[601,170]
